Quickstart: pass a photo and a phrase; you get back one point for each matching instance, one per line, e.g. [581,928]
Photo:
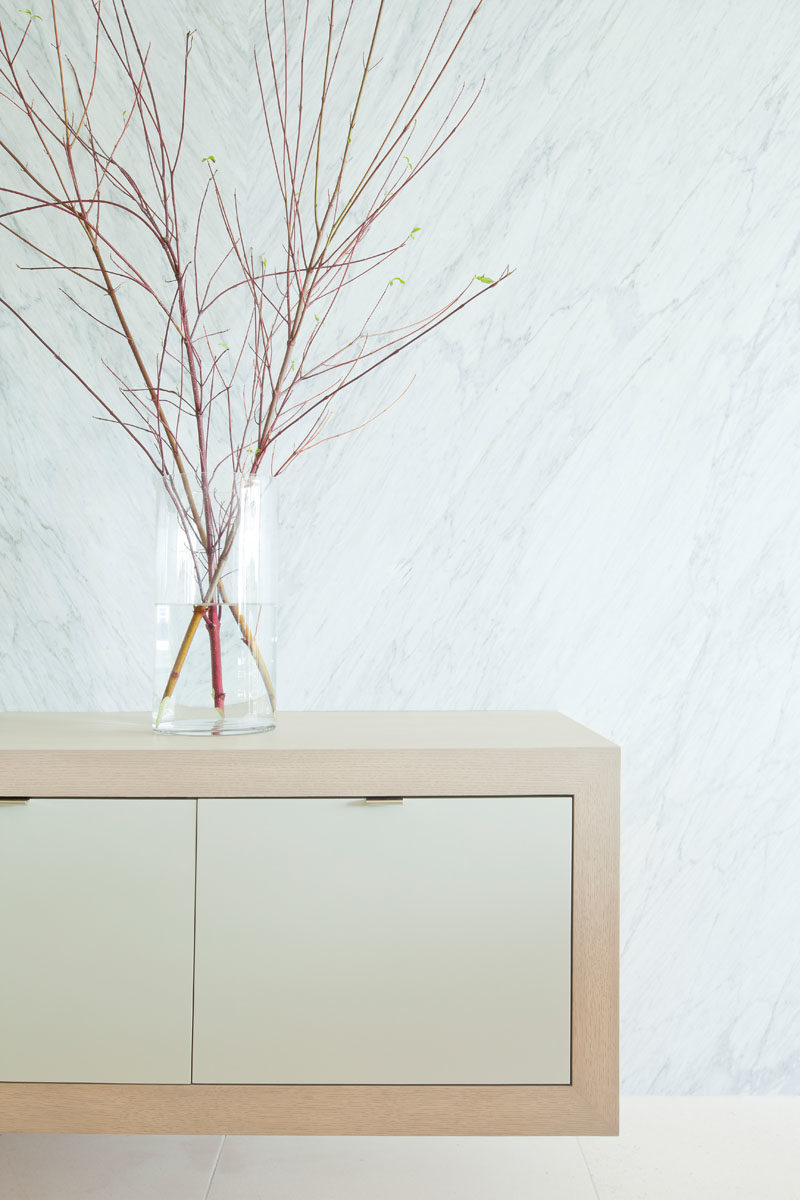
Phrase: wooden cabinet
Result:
[96,927]
[425,941]
[361,923]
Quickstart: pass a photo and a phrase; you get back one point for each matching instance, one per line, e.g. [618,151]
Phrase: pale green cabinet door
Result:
[96,940]
[422,942]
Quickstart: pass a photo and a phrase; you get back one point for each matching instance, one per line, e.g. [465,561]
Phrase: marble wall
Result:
[589,499]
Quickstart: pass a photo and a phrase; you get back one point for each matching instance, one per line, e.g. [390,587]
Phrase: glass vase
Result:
[215,616]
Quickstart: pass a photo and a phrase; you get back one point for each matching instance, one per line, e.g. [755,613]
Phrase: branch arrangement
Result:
[221,362]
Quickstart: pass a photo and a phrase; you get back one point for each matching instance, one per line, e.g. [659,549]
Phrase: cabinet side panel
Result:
[595,1045]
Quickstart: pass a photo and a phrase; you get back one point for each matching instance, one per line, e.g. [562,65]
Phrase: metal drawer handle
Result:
[383,799]
[13,800]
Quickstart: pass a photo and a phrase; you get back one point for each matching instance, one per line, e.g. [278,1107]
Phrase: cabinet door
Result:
[344,942]
[96,940]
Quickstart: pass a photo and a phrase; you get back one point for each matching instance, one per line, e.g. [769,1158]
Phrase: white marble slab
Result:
[589,500]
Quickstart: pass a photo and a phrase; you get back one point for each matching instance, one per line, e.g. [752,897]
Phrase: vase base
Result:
[214,727]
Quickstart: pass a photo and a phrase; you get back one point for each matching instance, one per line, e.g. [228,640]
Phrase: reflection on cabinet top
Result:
[310,753]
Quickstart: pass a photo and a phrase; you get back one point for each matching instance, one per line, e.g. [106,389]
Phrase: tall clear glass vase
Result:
[216,617]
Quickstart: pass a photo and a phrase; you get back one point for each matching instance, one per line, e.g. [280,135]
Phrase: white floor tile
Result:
[700,1148]
[37,1166]
[696,1148]
[383,1168]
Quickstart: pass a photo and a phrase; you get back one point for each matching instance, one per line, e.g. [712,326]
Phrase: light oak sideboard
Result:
[361,923]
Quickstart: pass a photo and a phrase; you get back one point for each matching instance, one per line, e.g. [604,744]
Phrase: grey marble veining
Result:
[589,500]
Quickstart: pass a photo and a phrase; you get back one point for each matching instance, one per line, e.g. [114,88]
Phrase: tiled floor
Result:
[701,1148]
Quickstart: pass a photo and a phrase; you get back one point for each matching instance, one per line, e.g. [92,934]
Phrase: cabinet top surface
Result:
[305,731]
